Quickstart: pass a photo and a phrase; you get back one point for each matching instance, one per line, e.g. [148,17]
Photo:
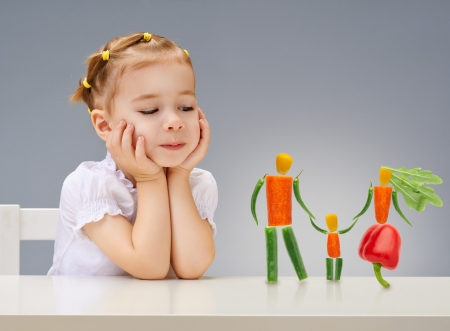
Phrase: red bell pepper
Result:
[381,245]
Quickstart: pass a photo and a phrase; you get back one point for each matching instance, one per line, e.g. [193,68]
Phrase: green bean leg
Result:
[294,253]
[329,268]
[272,254]
[338,270]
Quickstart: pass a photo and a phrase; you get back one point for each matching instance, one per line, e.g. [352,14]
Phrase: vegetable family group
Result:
[380,244]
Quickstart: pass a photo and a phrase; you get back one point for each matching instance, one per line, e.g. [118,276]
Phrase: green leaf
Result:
[412,198]
[411,184]
[429,195]
[418,175]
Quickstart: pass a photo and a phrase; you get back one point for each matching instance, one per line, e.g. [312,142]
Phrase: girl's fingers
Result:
[201,114]
[200,151]
[116,139]
[127,142]
[205,133]
[204,136]
[141,157]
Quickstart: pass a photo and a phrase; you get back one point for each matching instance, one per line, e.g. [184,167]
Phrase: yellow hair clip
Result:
[187,53]
[147,36]
[86,84]
[105,55]
[89,111]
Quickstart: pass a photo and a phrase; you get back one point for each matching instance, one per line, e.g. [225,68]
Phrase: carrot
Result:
[382,200]
[333,245]
[279,200]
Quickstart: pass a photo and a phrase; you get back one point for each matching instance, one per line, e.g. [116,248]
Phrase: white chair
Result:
[18,224]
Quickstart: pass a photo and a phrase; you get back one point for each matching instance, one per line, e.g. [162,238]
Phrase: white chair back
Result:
[18,224]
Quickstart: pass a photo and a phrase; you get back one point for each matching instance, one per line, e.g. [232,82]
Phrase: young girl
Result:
[144,210]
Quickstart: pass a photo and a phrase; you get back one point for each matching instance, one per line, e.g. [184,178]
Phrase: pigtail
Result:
[96,62]
[79,94]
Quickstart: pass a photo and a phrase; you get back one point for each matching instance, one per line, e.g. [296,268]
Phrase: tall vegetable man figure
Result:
[279,210]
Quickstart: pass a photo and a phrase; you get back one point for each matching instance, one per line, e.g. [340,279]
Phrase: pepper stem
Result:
[300,173]
[377,269]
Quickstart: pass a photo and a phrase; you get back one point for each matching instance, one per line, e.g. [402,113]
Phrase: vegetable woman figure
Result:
[279,210]
[381,243]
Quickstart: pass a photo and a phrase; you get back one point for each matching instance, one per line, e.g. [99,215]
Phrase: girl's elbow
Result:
[190,273]
[196,269]
[148,277]
[151,272]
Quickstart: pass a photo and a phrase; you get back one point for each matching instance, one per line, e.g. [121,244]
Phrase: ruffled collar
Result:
[111,165]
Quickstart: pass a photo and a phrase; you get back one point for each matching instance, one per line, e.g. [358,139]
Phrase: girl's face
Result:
[159,100]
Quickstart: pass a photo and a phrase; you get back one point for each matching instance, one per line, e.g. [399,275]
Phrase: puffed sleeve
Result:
[88,194]
[205,194]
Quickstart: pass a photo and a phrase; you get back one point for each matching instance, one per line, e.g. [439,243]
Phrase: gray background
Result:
[343,86]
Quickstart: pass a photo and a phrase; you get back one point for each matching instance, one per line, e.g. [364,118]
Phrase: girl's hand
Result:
[200,151]
[133,161]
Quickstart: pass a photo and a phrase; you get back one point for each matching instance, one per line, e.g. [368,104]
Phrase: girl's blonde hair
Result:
[132,51]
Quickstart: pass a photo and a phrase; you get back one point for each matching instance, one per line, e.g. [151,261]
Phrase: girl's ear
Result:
[100,122]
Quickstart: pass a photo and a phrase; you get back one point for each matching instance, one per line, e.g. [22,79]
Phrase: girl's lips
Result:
[173,147]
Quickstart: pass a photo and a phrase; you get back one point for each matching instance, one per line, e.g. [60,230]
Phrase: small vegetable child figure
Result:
[333,245]
[279,210]
[381,243]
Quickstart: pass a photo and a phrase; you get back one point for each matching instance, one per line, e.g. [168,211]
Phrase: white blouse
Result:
[97,188]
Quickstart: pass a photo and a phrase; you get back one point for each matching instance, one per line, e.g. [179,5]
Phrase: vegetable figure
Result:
[279,210]
[381,243]
[333,245]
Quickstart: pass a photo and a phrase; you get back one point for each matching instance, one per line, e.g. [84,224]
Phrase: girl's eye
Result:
[186,108]
[149,112]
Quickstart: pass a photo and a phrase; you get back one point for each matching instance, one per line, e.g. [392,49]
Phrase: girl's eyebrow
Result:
[144,97]
[152,96]
[187,92]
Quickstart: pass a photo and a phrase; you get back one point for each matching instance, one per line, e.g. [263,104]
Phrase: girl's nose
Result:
[173,123]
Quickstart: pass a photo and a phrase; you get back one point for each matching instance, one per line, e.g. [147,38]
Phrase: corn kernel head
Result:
[332,222]
[284,162]
[385,176]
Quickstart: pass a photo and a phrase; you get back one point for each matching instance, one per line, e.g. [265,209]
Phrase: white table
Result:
[223,303]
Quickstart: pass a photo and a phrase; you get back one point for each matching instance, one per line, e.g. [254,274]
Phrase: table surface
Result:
[224,296]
